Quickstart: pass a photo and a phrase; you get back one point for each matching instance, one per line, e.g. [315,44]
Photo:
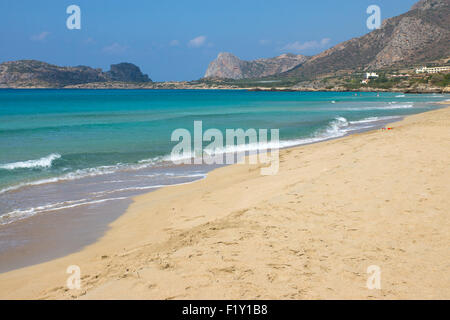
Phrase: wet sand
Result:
[310,232]
[53,235]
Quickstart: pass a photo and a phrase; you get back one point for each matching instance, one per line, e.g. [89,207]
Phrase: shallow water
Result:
[71,148]
[71,160]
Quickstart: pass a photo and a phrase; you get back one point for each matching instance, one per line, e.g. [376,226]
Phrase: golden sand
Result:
[311,231]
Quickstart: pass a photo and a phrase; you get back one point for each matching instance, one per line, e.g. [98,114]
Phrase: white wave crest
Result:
[374,119]
[80,174]
[391,106]
[397,106]
[335,129]
[45,162]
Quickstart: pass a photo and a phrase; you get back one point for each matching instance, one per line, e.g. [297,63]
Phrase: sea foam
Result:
[24,213]
[336,128]
[45,162]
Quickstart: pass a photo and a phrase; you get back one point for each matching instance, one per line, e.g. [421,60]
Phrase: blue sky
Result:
[176,40]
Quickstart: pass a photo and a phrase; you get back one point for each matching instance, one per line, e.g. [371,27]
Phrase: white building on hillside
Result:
[371,75]
[433,69]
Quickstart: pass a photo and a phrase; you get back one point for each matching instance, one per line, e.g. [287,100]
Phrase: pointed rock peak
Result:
[225,54]
[287,55]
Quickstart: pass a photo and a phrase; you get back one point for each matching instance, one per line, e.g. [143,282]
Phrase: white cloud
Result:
[174,43]
[299,46]
[41,36]
[264,42]
[115,48]
[197,42]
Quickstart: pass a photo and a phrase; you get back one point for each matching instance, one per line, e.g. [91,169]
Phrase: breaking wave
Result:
[336,128]
[45,162]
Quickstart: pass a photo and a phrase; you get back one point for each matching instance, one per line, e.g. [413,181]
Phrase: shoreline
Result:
[434,90]
[53,234]
[38,248]
[110,271]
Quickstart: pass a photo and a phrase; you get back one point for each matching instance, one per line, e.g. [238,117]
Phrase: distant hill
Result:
[228,66]
[32,73]
[421,35]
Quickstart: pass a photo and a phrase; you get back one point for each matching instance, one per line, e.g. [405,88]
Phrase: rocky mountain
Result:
[228,66]
[32,73]
[127,72]
[421,35]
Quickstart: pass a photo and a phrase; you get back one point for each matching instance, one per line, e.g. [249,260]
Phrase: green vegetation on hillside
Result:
[269,82]
[434,80]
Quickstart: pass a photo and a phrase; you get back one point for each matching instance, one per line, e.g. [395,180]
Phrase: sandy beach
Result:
[310,232]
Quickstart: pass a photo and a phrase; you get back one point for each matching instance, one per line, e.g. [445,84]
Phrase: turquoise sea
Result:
[74,148]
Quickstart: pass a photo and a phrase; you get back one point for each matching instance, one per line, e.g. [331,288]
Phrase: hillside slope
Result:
[420,35]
